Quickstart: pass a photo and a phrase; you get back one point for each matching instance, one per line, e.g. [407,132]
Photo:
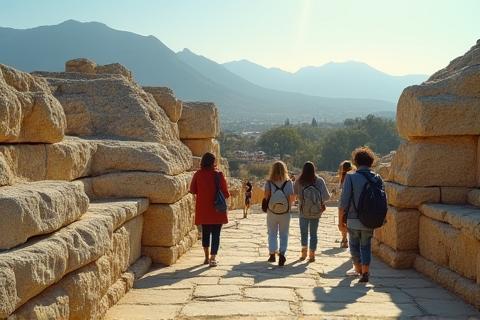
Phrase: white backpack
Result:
[312,203]
[278,202]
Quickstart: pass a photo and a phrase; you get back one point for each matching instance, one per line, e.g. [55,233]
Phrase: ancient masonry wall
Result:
[433,222]
[93,186]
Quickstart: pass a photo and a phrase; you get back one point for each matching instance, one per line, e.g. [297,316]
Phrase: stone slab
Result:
[401,196]
[400,232]
[199,120]
[38,208]
[412,164]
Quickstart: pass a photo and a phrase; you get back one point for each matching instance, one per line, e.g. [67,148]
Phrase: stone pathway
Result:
[244,285]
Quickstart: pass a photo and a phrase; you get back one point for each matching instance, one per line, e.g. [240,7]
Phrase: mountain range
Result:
[191,76]
[335,79]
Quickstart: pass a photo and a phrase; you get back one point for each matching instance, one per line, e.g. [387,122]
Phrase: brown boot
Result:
[311,256]
[304,253]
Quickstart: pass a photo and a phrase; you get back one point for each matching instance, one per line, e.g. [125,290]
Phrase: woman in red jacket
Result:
[204,187]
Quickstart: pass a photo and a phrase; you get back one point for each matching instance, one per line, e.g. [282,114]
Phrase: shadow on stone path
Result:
[244,285]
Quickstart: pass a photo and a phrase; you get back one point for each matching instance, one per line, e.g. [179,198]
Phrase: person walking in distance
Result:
[279,195]
[362,208]
[345,167]
[248,198]
[312,193]
[204,185]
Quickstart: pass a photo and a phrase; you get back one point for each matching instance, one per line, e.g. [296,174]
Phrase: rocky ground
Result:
[245,285]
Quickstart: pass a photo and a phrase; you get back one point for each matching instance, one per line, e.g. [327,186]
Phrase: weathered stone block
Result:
[464,218]
[169,255]
[38,208]
[166,224]
[401,229]
[436,240]
[401,196]
[81,65]
[114,156]
[436,162]
[200,146]
[199,120]
[463,256]
[428,109]
[69,159]
[109,106]
[454,195]
[158,187]
[395,259]
[167,101]
[473,197]
[28,110]
[38,264]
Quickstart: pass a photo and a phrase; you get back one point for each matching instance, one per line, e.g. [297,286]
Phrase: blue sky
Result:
[398,37]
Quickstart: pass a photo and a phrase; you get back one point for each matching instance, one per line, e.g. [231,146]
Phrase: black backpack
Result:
[372,206]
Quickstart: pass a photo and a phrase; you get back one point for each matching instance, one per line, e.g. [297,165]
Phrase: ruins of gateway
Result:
[94,176]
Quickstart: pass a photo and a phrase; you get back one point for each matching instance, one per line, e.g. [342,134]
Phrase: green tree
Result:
[280,140]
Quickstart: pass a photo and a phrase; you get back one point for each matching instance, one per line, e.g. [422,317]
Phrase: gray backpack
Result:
[278,202]
[312,204]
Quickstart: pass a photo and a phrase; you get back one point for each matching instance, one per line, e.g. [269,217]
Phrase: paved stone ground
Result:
[244,285]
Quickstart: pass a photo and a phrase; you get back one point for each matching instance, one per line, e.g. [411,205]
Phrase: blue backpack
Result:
[372,206]
[220,202]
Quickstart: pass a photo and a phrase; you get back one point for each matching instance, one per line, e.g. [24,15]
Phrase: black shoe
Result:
[364,278]
[272,258]
[281,260]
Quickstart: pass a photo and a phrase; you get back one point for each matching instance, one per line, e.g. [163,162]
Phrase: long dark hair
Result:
[308,174]
[208,161]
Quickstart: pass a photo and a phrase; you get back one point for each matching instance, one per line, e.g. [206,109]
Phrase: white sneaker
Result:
[352,273]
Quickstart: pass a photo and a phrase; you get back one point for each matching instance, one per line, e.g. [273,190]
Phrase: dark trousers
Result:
[212,230]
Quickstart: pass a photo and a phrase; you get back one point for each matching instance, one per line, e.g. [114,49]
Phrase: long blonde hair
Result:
[278,171]
[345,167]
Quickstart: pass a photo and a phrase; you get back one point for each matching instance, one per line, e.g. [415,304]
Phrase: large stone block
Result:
[463,257]
[38,264]
[158,187]
[400,232]
[401,196]
[454,195]
[81,65]
[200,146]
[465,288]
[473,197]
[199,120]
[462,217]
[445,107]
[436,240]
[69,160]
[113,156]
[25,161]
[166,224]
[395,259]
[167,101]
[28,110]
[109,106]
[169,255]
[38,208]
[6,175]
[446,161]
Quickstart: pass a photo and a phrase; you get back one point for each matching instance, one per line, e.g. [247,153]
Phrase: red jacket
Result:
[203,185]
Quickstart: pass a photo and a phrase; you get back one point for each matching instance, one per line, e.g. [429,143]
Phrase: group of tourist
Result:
[280,192]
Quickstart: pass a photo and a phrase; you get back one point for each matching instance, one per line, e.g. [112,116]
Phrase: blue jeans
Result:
[360,242]
[214,231]
[312,226]
[278,225]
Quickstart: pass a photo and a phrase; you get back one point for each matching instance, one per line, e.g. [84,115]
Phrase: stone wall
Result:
[93,186]
[433,222]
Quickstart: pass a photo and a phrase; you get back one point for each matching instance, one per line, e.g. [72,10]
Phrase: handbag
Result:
[220,202]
